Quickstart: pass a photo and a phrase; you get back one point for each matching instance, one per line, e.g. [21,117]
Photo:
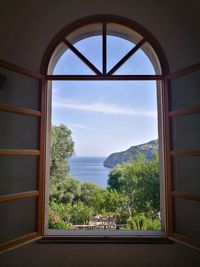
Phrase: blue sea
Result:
[89,169]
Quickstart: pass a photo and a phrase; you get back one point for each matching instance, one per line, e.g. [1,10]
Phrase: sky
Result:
[105,116]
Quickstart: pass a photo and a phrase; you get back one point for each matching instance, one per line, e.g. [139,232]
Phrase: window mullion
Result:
[82,57]
[104,47]
[126,57]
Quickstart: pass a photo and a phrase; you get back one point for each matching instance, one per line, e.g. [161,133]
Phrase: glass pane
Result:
[186,174]
[137,64]
[71,64]
[186,132]
[18,218]
[91,48]
[117,48]
[106,110]
[18,131]
[20,90]
[187,218]
[110,123]
[184,91]
[15,177]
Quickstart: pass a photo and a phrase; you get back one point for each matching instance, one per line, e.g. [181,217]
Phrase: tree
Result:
[65,190]
[80,213]
[62,148]
[139,181]
[89,192]
[58,216]
[115,205]
[141,221]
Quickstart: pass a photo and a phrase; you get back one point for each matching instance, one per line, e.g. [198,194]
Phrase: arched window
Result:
[100,50]
[106,89]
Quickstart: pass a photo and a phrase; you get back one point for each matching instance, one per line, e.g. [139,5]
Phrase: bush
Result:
[55,222]
[142,222]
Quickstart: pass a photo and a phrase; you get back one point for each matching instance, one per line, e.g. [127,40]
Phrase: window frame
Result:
[40,194]
[37,194]
[46,67]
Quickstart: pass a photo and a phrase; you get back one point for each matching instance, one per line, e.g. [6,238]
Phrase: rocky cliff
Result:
[147,149]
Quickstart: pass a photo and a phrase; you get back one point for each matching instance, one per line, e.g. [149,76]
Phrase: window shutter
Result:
[183,155]
[22,149]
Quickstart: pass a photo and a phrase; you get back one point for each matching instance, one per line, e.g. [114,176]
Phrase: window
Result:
[104,76]
[23,150]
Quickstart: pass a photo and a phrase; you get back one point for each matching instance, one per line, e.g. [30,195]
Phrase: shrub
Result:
[55,222]
[142,222]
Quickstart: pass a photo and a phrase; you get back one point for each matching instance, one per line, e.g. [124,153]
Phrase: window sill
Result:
[105,237]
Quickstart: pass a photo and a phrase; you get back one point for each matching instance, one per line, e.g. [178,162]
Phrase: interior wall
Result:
[75,255]
[26,28]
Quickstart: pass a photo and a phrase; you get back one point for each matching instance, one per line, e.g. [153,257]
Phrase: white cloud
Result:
[80,126]
[102,107]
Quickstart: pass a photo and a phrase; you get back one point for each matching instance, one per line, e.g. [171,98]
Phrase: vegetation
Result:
[131,199]
[139,181]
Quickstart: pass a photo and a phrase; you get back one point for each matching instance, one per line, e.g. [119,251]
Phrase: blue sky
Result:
[105,116]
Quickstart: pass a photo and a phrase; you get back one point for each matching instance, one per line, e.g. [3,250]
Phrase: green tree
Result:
[80,213]
[139,182]
[88,193]
[58,216]
[141,221]
[115,205]
[98,201]
[65,190]
[62,148]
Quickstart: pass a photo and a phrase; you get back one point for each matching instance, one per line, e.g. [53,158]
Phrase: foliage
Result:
[57,217]
[115,204]
[88,192]
[139,181]
[132,197]
[143,222]
[66,190]
[62,148]
[80,213]
[68,214]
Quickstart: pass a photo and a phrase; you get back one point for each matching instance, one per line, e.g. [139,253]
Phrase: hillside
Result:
[147,149]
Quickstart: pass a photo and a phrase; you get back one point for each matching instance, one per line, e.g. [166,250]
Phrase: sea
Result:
[89,169]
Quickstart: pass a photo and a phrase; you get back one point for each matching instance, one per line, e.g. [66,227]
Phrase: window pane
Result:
[18,219]
[187,218]
[15,177]
[110,123]
[71,64]
[117,48]
[137,64]
[186,174]
[120,40]
[16,87]
[91,48]
[186,132]
[18,131]
[106,111]
[184,92]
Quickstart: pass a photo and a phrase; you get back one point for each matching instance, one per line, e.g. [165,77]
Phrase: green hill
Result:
[147,149]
